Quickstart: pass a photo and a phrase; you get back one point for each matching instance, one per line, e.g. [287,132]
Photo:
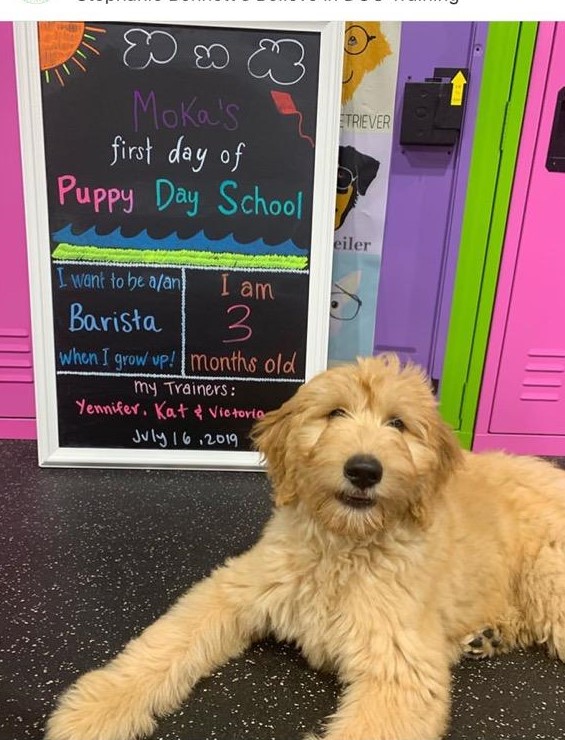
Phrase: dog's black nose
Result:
[363,471]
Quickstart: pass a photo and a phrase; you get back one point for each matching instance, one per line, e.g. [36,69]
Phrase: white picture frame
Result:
[50,452]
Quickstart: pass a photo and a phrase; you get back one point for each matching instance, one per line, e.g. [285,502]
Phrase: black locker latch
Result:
[432,111]
[556,153]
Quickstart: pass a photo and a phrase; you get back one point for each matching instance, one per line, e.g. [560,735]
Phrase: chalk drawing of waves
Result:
[142,240]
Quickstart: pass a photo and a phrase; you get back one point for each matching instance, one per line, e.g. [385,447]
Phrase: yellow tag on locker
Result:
[457,87]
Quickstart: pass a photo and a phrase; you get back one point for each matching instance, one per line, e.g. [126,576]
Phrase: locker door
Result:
[529,395]
[17,407]
[425,202]
[504,90]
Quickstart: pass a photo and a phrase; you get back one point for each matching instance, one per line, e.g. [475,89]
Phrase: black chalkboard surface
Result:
[184,244]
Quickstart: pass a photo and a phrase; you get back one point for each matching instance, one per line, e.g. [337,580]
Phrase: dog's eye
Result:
[397,423]
[337,412]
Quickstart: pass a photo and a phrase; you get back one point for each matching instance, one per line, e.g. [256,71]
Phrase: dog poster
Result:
[370,71]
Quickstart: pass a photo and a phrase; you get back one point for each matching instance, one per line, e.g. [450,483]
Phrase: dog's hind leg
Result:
[212,622]
[485,643]
[542,594]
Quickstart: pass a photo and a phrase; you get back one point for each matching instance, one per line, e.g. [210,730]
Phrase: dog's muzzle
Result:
[363,472]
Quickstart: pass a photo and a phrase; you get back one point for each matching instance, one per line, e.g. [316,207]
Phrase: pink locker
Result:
[17,407]
[522,406]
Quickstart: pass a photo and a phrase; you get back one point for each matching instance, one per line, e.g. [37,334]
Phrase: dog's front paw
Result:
[483,644]
[99,707]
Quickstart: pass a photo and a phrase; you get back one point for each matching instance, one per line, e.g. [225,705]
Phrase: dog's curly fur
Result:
[385,579]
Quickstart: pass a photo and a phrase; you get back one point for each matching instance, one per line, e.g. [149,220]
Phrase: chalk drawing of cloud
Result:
[215,56]
[145,47]
[280,60]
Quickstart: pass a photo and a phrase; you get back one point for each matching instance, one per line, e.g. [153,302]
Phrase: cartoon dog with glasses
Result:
[365,47]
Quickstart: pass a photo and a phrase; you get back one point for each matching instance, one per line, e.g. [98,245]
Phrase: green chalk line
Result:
[179,257]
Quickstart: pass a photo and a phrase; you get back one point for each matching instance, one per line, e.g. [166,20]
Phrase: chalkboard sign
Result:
[180,187]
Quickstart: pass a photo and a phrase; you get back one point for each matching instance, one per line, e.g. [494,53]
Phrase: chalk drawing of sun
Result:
[62,43]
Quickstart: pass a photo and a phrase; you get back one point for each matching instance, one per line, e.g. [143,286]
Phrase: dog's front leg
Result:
[399,697]
[212,622]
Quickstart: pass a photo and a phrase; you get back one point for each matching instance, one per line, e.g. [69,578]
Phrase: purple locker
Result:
[426,197]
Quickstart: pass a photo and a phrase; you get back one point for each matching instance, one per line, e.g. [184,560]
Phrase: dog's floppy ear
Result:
[366,168]
[270,437]
[440,436]
[448,457]
[448,450]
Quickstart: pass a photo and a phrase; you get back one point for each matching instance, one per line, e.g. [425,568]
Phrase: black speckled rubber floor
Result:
[88,558]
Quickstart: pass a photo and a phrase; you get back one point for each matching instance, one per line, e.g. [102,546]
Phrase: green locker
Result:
[508,60]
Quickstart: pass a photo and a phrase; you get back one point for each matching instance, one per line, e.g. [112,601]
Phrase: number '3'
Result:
[246,331]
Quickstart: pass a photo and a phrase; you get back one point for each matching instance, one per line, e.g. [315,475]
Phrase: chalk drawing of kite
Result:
[287,107]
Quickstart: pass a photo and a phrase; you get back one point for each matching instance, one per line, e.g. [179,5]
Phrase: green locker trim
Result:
[506,74]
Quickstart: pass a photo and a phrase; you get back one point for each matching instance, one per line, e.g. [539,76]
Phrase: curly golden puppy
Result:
[389,554]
